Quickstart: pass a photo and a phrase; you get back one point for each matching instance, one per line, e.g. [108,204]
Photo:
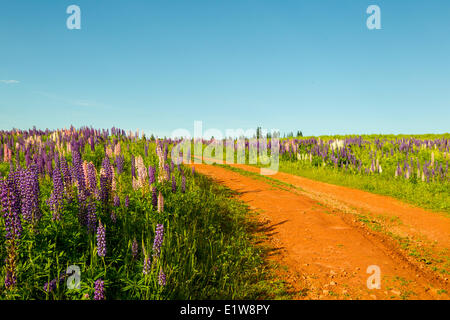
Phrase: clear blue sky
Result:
[292,65]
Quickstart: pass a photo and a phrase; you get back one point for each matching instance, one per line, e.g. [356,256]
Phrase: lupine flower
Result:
[29,194]
[113,217]
[56,199]
[91,177]
[134,249]
[91,215]
[151,175]
[109,152]
[133,169]
[142,174]
[193,170]
[117,149]
[127,201]
[51,286]
[157,242]
[79,172]
[160,202]
[147,265]
[67,177]
[99,293]
[106,177]
[183,184]
[101,240]
[162,278]
[119,163]
[167,171]
[154,197]
[174,185]
[10,204]
[116,201]
[10,279]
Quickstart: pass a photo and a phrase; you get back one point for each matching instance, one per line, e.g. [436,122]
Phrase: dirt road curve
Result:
[325,250]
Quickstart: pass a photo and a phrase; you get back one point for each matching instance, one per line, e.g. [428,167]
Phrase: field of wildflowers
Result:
[104,214]
[411,168]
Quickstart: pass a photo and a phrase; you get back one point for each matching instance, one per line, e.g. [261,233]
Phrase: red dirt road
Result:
[325,250]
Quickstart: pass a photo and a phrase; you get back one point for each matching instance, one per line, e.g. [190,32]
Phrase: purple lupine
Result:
[10,279]
[157,242]
[161,278]
[83,209]
[119,163]
[167,169]
[10,204]
[116,201]
[183,184]
[151,175]
[147,265]
[154,198]
[92,143]
[78,172]
[133,167]
[134,249]
[91,215]
[101,240]
[29,193]
[99,293]
[51,286]
[174,185]
[113,217]
[92,178]
[189,155]
[106,180]
[127,201]
[67,177]
[193,170]
[56,198]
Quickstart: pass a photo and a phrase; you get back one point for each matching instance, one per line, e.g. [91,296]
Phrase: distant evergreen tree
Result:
[258,132]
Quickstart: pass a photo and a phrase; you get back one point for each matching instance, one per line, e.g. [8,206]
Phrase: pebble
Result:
[396,292]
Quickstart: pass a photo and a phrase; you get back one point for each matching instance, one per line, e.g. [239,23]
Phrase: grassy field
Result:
[412,168]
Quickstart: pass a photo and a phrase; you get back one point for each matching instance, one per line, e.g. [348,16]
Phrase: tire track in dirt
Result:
[326,257]
[425,233]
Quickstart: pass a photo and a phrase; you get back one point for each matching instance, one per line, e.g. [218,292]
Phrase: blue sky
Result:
[291,65]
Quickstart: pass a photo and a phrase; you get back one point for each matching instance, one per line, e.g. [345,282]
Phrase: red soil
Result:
[326,250]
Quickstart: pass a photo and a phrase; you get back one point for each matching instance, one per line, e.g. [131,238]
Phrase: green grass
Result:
[426,195]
